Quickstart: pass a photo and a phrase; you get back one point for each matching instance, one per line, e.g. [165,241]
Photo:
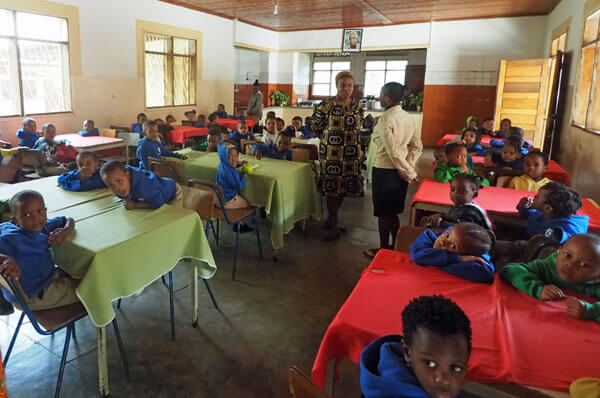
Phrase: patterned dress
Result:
[338,127]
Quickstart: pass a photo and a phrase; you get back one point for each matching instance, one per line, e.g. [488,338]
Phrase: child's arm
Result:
[442,173]
[9,268]
[476,269]
[134,204]
[58,235]
[166,152]
[423,253]
[533,278]
[259,150]
[581,309]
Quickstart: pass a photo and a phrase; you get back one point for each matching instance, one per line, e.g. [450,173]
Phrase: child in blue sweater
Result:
[86,177]
[220,112]
[510,157]
[89,130]
[241,133]
[281,150]
[297,130]
[150,146]
[462,250]
[471,140]
[551,213]
[28,134]
[138,127]
[201,121]
[140,189]
[429,360]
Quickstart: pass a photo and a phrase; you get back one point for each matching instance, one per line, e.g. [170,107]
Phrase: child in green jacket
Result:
[575,266]
[456,163]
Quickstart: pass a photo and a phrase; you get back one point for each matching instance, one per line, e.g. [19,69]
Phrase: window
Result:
[378,73]
[170,70]
[586,104]
[558,44]
[34,64]
[324,77]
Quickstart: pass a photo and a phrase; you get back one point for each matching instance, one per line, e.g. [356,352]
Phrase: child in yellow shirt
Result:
[535,165]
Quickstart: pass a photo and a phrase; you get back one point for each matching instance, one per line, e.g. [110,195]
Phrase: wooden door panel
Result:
[519,103]
[533,71]
[520,87]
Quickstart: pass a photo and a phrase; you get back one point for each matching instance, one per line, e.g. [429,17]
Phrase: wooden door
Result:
[524,94]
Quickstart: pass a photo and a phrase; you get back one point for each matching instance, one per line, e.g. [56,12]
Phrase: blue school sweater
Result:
[93,133]
[227,177]
[237,137]
[290,131]
[557,229]
[32,253]
[221,115]
[27,139]
[515,164]
[237,117]
[153,149]
[271,151]
[199,125]
[423,253]
[137,128]
[500,144]
[384,373]
[71,181]
[149,188]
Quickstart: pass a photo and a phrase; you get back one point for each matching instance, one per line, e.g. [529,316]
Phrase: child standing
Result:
[280,151]
[28,134]
[535,165]
[241,133]
[461,250]
[575,266]
[456,157]
[48,146]
[429,360]
[86,177]
[150,146]
[88,129]
[138,127]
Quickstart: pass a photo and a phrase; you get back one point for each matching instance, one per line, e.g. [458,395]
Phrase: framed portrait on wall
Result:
[352,40]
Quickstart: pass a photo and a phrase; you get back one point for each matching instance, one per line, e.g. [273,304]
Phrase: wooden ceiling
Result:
[322,14]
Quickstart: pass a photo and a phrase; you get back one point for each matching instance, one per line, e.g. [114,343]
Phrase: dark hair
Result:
[241,122]
[140,114]
[111,166]
[21,197]
[451,147]
[475,131]
[437,314]
[593,240]
[564,201]
[514,131]
[27,120]
[215,131]
[270,118]
[221,105]
[158,120]
[46,126]
[486,120]
[394,90]
[170,116]
[506,120]
[469,179]
[540,154]
[212,117]
[88,153]
[297,118]
[514,141]
[148,123]
[480,240]
[271,112]
[278,119]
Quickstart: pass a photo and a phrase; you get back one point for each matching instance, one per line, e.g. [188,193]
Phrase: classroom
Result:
[278,198]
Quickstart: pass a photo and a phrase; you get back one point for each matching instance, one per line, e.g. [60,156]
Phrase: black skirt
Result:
[389,192]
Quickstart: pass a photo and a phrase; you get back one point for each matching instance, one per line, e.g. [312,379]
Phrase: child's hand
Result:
[435,220]
[58,236]
[259,155]
[9,269]
[575,307]
[488,160]
[525,203]
[130,204]
[507,168]
[552,293]
[464,168]
[243,162]
[473,259]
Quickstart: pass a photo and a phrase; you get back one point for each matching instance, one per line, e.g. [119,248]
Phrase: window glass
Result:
[32,26]
[7,26]
[322,66]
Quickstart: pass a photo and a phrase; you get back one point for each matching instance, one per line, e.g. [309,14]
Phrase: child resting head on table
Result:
[140,189]
[429,360]
[534,166]
[456,156]
[25,243]
[281,150]
[240,133]
[89,130]
[150,146]
[575,266]
[551,213]
[463,189]
[86,177]
[461,250]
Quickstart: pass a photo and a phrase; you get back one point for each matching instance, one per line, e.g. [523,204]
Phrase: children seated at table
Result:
[280,151]
[28,134]
[88,129]
[140,189]
[429,360]
[170,119]
[163,129]
[575,266]
[551,213]
[220,112]
[308,124]
[510,157]
[271,132]
[241,133]
[48,146]
[137,127]
[87,175]
[280,124]
[456,156]
[150,146]
[201,121]
[535,165]
[238,114]
[461,250]
[212,119]
[513,132]
[297,130]
[25,244]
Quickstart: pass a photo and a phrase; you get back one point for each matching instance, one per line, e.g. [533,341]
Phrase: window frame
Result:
[385,70]
[330,70]
[560,30]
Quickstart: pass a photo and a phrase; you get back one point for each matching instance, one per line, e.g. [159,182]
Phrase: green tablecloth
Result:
[286,189]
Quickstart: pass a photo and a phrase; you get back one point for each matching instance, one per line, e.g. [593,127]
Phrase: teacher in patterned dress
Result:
[337,122]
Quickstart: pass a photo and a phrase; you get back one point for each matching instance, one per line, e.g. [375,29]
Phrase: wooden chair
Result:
[112,133]
[165,168]
[246,146]
[406,236]
[301,386]
[234,217]
[301,155]
[48,322]
[313,155]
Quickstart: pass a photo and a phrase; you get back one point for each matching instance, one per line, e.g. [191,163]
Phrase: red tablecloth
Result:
[494,200]
[555,172]
[68,153]
[231,124]
[180,133]
[516,338]
[485,140]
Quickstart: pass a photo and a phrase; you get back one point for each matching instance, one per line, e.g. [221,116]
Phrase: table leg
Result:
[413,215]
[330,376]
[102,363]
[194,296]
[275,252]
[126,153]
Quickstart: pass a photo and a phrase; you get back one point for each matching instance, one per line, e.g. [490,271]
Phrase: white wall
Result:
[251,65]
[256,37]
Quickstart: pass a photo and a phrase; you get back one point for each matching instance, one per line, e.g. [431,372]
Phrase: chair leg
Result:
[257,235]
[73,336]
[171,305]
[206,228]
[215,234]
[13,339]
[162,278]
[237,240]
[210,293]
[218,223]
[121,347]
[119,303]
[63,361]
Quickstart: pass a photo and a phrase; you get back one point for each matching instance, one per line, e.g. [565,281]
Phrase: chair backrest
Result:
[244,144]
[14,287]
[218,194]
[131,139]
[202,201]
[165,168]
[313,151]
[33,158]
[301,155]
[406,236]
[112,133]
[302,387]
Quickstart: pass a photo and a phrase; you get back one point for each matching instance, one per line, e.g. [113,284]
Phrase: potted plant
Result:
[279,98]
[416,100]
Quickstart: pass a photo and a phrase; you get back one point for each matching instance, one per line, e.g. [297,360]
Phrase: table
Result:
[286,189]
[231,124]
[485,140]
[79,144]
[555,171]
[505,323]
[500,203]
[180,133]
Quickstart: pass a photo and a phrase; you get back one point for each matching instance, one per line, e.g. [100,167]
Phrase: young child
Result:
[48,146]
[220,112]
[140,189]
[462,250]
[551,213]
[575,266]
[270,135]
[297,130]
[463,189]
[25,244]
[88,129]
[535,165]
[163,129]
[510,157]
[280,124]
[170,119]
[28,134]
[439,154]
[212,141]
[280,151]
[308,124]
[513,132]
[86,177]
[137,127]
[456,156]
[150,146]
[505,124]
[486,127]
[241,133]
[190,115]
[201,122]
[429,360]
[470,138]
[212,119]
[238,114]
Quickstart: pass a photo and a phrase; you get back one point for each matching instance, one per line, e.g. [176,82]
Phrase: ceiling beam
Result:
[374,12]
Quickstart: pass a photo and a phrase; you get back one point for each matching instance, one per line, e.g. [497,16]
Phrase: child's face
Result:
[457,157]
[171,119]
[461,191]
[151,133]
[297,124]
[469,138]
[142,119]
[89,126]
[237,113]
[451,241]
[87,166]
[504,125]
[160,122]
[30,215]
[50,133]
[233,157]
[202,119]
[221,108]
[213,142]
[271,126]
[578,261]
[510,154]
[280,125]
[30,127]
[283,143]
[119,182]
[439,362]
[534,167]
[243,128]
[440,155]
[539,201]
[488,125]
[307,121]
